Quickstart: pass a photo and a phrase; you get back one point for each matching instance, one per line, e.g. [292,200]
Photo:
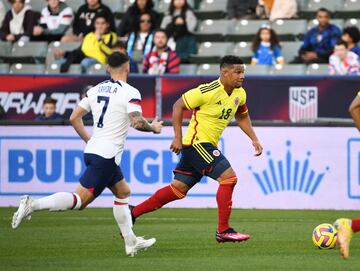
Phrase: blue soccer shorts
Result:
[198,160]
[100,173]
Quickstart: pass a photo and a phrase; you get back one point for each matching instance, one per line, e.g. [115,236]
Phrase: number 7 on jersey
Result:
[106,102]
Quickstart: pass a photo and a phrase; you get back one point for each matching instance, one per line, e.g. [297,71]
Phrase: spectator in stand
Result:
[2,11]
[131,18]
[319,41]
[351,35]
[241,9]
[179,23]
[140,42]
[55,19]
[161,59]
[266,47]
[18,23]
[95,48]
[283,9]
[120,47]
[85,19]
[343,61]
[49,108]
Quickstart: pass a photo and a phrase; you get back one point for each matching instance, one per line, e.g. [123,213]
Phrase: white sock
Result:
[58,202]
[123,218]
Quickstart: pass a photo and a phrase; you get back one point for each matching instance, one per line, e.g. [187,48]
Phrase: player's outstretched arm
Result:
[139,123]
[244,122]
[178,109]
[354,110]
[78,124]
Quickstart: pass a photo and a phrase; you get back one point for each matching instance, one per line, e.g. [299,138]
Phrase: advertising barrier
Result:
[282,98]
[301,167]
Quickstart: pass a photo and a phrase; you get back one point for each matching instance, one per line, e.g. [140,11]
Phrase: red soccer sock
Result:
[355,225]
[159,199]
[224,201]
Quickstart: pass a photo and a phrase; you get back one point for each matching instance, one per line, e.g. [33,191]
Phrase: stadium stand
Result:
[216,36]
[20,68]
[97,69]
[317,69]
[55,69]
[208,69]
[4,68]
[257,69]
[296,69]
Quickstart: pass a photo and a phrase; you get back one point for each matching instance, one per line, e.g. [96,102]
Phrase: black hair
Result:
[49,100]
[134,7]
[152,20]
[117,59]
[102,15]
[353,32]
[341,42]
[161,30]
[229,60]
[183,9]
[274,40]
[323,10]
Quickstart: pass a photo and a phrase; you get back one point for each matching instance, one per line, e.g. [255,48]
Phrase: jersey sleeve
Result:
[134,101]
[193,98]
[242,109]
[84,103]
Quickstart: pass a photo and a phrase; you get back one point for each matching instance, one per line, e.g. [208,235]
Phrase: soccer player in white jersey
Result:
[115,105]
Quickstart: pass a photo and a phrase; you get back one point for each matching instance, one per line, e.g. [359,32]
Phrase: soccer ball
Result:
[324,236]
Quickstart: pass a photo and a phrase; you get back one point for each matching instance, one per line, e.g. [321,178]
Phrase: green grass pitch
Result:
[89,240]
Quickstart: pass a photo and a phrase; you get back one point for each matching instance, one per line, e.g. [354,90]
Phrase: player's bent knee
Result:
[180,186]
[229,181]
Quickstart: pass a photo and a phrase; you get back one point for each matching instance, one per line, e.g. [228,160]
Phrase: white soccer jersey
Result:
[110,103]
[53,21]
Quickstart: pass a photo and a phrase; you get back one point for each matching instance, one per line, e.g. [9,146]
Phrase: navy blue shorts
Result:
[100,173]
[198,160]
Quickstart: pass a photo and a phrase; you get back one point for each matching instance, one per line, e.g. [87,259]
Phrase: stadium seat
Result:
[211,9]
[28,52]
[289,50]
[338,22]
[97,69]
[163,5]
[296,69]
[211,52]
[126,3]
[289,30]
[257,70]
[208,69]
[37,5]
[75,4]
[332,5]
[188,69]
[116,6]
[353,22]
[5,50]
[350,9]
[55,69]
[212,30]
[317,69]
[243,50]
[56,45]
[244,30]
[4,68]
[27,68]
[302,4]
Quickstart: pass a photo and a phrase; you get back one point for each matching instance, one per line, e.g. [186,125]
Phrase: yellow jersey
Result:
[98,49]
[213,110]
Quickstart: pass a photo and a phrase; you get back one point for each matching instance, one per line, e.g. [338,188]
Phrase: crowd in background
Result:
[158,46]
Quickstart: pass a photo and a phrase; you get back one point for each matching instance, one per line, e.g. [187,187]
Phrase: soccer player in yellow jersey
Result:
[346,227]
[214,105]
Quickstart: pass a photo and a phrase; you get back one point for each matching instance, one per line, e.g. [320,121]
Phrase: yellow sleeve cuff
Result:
[186,102]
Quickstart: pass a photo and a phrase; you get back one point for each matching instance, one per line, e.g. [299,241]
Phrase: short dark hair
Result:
[117,59]
[162,31]
[119,44]
[49,100]
[229,60]
[323,10]
[102,15]
[353,32]
[341,42]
